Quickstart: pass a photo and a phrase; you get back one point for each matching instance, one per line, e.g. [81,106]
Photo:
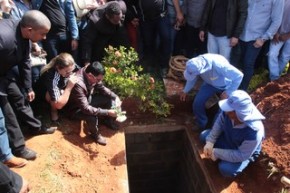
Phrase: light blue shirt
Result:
[264,19]
[218,73]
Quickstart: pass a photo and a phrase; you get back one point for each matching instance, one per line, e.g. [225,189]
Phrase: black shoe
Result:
[55,123]
[111,124]
[25,153]
[100,139]
[43,130]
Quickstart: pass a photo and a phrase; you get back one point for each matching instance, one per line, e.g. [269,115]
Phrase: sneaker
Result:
[16,162]
[26,153]
[100,140]
[43,130]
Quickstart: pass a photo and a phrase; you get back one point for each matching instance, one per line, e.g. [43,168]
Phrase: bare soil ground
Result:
[70,162]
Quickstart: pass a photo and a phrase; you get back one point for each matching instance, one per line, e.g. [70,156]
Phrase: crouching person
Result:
[236,137]
[90,99]
[58,79]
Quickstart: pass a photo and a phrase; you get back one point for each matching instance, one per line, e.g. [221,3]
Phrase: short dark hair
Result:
[113,8]
[35,19]
[95,68]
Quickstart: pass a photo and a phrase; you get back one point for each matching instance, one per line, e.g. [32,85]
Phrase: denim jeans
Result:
[278,57]
[219,45]
[5,151]
[56,44]
[156,38]
[226,168]
[204,93]
[248,56]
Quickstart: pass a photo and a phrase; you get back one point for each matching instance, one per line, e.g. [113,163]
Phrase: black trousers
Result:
[16,138]
[92,121]
[21,106]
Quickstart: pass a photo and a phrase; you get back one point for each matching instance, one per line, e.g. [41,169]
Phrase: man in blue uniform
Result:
[236,136]
[219,77]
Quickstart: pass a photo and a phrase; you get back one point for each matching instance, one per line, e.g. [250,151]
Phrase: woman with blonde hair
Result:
[59,79]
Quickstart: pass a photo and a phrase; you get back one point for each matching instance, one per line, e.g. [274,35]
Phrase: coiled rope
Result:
[177,66]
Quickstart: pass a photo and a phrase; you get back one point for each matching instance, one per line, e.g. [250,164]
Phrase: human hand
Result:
[212,157]
[73,79]
[284,37]
[6,5]
[92,5]
[112,113]
[207,149]
[101,2]
[30,96]
[180,18]
[201,36]
[224,95]
[135,22]
[182,96]
[74,44]
[259,43]
[234,41]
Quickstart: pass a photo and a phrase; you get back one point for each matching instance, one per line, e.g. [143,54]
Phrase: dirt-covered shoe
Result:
[26,153]
[43,130]
[16,162]
[100,140]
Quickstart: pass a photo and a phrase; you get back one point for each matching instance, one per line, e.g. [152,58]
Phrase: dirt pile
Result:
[273,100]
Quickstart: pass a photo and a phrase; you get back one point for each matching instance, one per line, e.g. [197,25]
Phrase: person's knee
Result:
[227,171]
[203,135]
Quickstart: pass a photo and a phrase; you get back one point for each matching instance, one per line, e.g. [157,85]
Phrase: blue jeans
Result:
[5,151]
[219,45]
[228,169]
[205,92]
[278,57]
[56,44]
[248,55]
[156,38]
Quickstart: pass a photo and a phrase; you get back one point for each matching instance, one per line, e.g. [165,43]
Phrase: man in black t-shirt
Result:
[224,21]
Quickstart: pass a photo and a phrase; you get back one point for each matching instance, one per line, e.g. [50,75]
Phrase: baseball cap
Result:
[241,102]
[194,67]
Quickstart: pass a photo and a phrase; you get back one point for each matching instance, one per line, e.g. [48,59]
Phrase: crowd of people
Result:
[222,39]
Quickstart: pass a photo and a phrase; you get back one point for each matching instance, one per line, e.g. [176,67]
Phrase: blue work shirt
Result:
[264,19]
[218,73]
[239,142]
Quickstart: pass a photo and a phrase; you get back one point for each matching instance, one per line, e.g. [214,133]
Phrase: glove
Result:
[207,149]
[212,157]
